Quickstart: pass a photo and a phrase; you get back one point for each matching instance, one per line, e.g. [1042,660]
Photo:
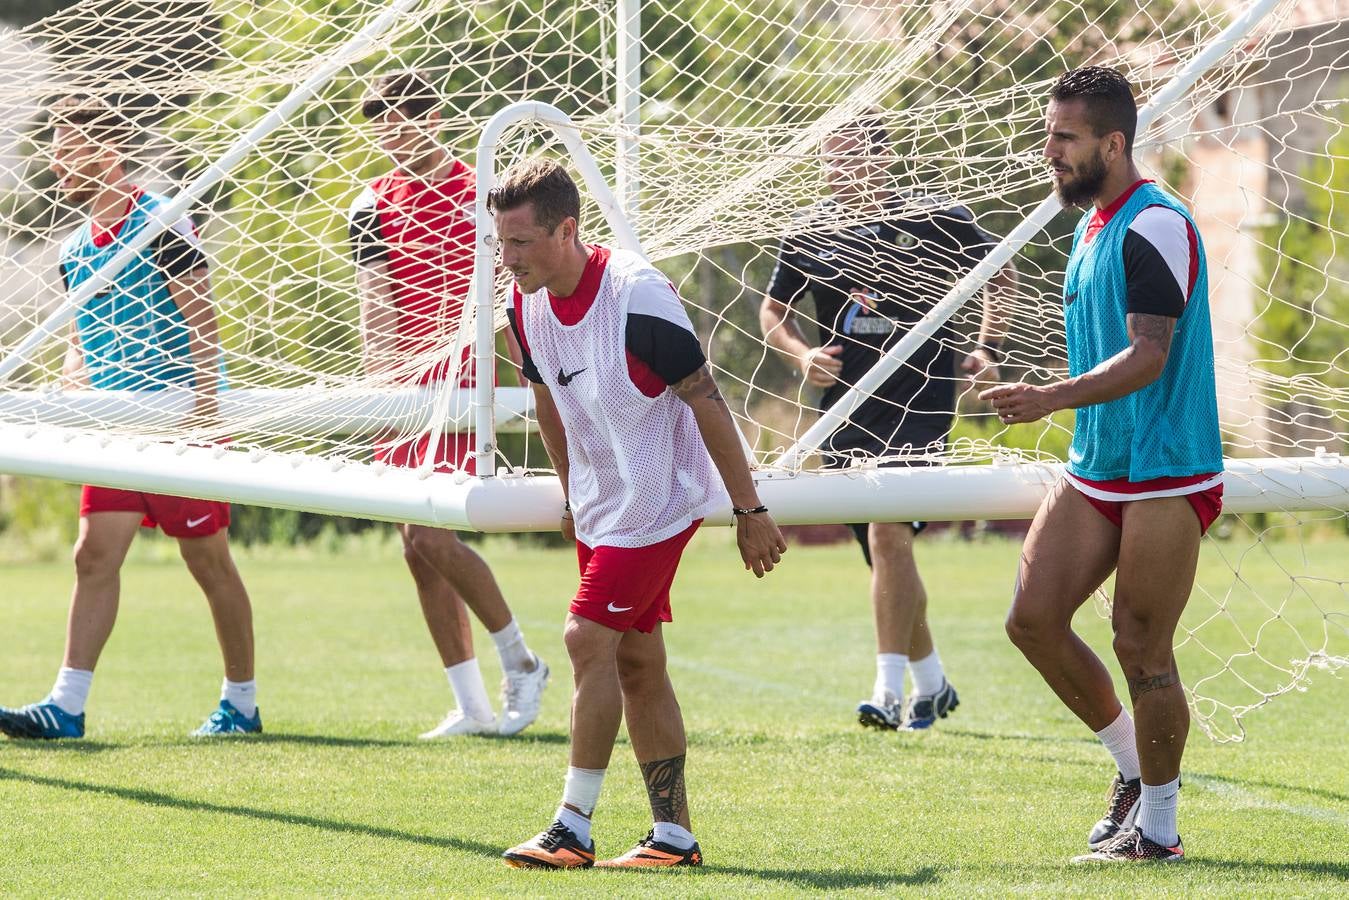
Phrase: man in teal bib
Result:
[152,328]
[1144,474]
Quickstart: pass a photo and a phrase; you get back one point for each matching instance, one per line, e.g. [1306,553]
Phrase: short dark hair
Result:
[94,116]
[869,127]
[542,182]
[410,92]
[1108,97]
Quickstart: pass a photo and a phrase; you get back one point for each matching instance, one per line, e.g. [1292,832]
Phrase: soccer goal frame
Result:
[54,445]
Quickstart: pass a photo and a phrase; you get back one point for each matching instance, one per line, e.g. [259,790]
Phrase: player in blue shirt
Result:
[1144,475]
[153,328]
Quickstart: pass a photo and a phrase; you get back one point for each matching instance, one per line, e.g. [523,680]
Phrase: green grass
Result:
[788,795]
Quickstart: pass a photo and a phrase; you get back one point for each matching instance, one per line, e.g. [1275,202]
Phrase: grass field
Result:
[788,795]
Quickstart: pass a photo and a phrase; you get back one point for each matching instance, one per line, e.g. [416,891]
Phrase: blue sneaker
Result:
[41,721]
[885,712]
[228,720]
[925,710]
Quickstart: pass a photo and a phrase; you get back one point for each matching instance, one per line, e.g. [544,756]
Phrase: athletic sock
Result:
[510,642]
[1118,738]
[928,676]
[1157,813]
[674,834]
[469,692]
[890,674]
[242,695]
[582,791]
[71,691]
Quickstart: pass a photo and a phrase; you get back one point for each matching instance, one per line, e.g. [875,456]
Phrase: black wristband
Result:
[566,505]
[994,351]
[737,511]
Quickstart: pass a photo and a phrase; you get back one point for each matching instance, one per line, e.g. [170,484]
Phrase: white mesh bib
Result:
[638,469]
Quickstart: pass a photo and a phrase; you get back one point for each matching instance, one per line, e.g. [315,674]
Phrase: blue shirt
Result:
[1170,427]
[132,333]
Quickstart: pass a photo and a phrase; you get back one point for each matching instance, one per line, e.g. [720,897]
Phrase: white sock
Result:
[1118,738]
[1157,813]
[890,674]
[469,692]
[581,790]
[71,691]
[674,834]
[242,695]
[510,641]
[928,675]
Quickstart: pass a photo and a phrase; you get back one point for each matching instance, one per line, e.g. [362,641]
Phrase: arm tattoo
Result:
[665,786]
[1153,328]
[1140,686]
[699,384]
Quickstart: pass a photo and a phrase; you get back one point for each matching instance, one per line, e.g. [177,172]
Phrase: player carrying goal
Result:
[412,236]
[153,328]
[1144,477]
[638,433]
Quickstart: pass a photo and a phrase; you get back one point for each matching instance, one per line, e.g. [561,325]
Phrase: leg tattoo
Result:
[665,786]
[1140,686]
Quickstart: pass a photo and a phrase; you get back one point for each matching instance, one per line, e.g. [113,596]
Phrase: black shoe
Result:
[1133,846]
[925,710]
[556,848]
[1121,808]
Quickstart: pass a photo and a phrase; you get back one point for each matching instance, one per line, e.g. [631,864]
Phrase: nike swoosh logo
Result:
[563,379]
[613,608]
[193,523]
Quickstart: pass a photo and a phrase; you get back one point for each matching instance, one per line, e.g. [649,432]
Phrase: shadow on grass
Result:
[155,798]
[829,879]
[82,745]
[1008,736]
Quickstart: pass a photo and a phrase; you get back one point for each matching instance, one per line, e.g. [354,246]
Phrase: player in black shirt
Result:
[871,282]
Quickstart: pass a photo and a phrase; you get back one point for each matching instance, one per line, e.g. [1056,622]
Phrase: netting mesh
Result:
[738,104]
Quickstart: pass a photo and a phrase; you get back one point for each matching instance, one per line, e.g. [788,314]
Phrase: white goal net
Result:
[713,123]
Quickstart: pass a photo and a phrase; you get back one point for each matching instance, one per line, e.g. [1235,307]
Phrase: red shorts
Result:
[180,517]
[454,452]
[1207,505]
[629,587]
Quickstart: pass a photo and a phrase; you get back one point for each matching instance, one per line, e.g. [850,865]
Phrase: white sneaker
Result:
[457,723]
[521,693]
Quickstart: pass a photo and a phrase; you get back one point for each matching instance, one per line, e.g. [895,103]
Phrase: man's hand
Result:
[761,543]
[1018,403]
[822,366]
[568,526]
[980,368]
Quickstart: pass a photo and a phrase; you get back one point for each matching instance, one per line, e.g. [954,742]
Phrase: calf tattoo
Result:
[1140,686]
[665,786]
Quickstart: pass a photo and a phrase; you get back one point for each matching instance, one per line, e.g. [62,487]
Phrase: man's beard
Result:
[1087,183]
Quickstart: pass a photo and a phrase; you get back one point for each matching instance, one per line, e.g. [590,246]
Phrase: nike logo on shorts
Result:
[613,608]
[193,523]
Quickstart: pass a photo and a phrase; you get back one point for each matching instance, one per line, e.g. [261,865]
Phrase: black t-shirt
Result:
[871,283]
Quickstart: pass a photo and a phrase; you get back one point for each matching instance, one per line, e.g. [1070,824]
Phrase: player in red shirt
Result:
[412,236]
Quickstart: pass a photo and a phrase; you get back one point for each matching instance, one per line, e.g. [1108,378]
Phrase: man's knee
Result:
[1142,650]
[1032,625]
[94,559]
[427,543]
[589,644]
[208,559]
[890,540]
[640,670]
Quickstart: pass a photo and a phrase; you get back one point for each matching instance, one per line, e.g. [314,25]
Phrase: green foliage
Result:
[1306,269]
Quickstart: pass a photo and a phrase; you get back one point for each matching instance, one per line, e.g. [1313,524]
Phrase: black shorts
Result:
[841,458]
